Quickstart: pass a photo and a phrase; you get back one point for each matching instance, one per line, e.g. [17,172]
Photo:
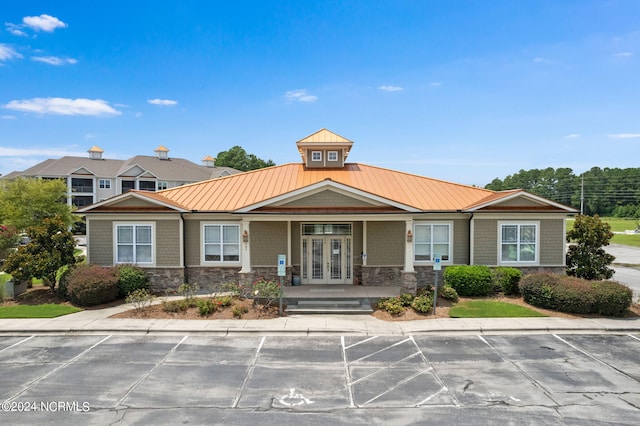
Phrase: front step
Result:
[324,306]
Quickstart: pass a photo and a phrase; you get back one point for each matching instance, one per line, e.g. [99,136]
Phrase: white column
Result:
[288,243]
[245,248]
[408,246]
[364,243]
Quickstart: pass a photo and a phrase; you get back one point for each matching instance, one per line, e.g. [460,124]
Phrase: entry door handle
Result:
[328,267]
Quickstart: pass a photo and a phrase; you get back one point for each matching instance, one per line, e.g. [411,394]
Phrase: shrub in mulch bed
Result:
[576,295]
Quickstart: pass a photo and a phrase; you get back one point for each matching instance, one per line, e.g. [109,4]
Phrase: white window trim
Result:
[314,153]
[330,153]
[434,222]
[522,262]
[220,262]
[104,183]
[153,242]
[162,184]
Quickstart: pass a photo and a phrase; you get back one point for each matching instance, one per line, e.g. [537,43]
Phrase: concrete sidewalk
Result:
[99,322]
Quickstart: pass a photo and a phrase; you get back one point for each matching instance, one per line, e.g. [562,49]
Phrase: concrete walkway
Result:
[99,322]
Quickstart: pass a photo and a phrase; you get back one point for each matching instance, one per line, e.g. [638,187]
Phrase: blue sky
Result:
[464,91]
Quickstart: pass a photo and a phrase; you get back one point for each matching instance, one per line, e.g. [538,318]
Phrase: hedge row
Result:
[480,280]
[88,285]
[576,295]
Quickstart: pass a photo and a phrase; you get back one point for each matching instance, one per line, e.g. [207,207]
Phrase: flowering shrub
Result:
[266,291]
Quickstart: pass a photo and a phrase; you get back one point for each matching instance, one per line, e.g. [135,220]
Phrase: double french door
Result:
[326,259]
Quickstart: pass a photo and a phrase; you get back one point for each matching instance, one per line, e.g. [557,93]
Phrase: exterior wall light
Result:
[245,236]
[409,236]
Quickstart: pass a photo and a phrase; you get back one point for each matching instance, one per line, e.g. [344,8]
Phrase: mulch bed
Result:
[41,295]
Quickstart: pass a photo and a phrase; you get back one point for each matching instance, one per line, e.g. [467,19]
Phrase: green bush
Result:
[613,299]
[62,278]
[469,280]
[92,285]
[222,301]
[537,289]
[576,295]
[406,299]
[448,293]
[393,305]
[422,304]
[132,278]
[176,306]
[573,295]
[239,311]
[507,279]
[206,307]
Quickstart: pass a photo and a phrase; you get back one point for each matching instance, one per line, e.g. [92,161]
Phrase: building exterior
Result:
[336,222]
[92,179]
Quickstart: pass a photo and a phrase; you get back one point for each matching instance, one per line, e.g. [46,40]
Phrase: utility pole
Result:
[582,195]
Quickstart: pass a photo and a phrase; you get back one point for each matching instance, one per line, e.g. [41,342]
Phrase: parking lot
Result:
[119,379]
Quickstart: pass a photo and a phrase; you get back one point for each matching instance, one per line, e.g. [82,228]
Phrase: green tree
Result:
[51,247]
[586,258]
[25,202]
[238,159]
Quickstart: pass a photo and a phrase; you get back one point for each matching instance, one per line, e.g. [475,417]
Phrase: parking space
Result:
[117,374]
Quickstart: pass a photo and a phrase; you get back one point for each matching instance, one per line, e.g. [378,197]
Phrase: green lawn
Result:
[619,225]
[36,311]
[491,309]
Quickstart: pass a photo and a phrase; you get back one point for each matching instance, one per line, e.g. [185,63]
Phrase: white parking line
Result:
[593,357]
[144,376]
[17,343]
[252,365]
[44,376]
[347,373]
[381,350]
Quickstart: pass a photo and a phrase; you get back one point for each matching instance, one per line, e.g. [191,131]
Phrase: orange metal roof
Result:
[238,191]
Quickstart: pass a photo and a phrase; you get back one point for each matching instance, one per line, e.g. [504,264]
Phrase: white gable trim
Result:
[82,171]
[328,184]
[524,194]
[140,171]
[126,196]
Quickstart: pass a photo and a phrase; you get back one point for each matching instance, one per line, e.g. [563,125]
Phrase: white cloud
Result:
[625,135]
[162,102]
[7,117]
[43,22]
[15,29]
[64,106]
[7,53]
[540,60]
[623,54]
[436,84]
[54,60]
[299,95]
[391,88]
[139,115]
[572,136]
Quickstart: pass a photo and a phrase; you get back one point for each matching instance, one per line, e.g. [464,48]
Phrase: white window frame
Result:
[449,255]
[333,154]
[519,224]
[162,184]
[134,243]
[314,154]
[104,183]
[222,244]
